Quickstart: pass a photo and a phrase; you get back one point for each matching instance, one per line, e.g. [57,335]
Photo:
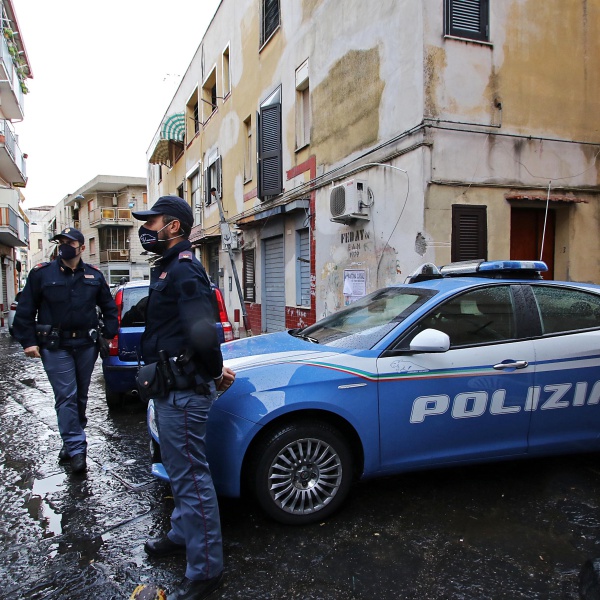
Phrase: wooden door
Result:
[526,232]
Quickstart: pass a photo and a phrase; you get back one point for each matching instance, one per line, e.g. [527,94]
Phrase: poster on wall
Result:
[355,285]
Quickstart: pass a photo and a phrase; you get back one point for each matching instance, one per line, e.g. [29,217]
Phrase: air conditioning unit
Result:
[349,200]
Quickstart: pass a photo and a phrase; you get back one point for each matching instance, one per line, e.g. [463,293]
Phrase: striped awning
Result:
[172,131]
[174,127]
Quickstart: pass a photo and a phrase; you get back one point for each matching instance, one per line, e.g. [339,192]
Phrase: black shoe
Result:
[78,463]
[63,455]
[190,589]
[163,546]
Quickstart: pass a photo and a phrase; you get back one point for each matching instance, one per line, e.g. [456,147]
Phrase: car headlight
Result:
[151,419]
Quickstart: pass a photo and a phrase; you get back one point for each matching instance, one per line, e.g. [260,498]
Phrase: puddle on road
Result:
[39,506]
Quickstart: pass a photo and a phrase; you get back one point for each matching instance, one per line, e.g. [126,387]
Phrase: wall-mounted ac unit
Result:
[349,201]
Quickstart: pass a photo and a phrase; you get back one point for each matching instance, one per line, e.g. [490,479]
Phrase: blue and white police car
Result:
[469,363]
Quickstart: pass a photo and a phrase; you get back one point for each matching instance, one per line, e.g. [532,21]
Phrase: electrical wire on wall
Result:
[387,243]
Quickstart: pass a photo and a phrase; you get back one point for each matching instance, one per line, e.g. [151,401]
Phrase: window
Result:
[270,19]
[226,74]
[270,168]
[249,150]
[194,187]
[563,310]
[40,244]
[92,246]
[113,238]
[249,276]
[469,232]
[477,317]
[302,106]
[180,191]
[303,267]
[192,116]
[212,179]
[467,19]
[209,95]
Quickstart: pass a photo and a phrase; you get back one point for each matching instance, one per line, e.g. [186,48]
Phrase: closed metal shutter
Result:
[274,292]
[469,232]
[468,18]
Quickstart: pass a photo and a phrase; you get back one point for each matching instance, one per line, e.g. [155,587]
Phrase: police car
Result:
[473,362]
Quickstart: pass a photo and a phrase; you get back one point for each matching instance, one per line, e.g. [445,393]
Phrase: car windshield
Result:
[362,324]
[134,306]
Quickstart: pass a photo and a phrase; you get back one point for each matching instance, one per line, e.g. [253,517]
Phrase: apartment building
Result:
[15,70]
[352,141]
[101,210]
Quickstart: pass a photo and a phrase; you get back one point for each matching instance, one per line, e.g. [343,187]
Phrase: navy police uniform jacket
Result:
[66,299]
[180,312]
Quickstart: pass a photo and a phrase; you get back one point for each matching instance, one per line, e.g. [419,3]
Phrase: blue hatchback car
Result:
[471,363]
[120,366]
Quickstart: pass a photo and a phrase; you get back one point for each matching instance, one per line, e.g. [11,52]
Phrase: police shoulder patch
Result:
[186,255]
[40,266]
[93,266]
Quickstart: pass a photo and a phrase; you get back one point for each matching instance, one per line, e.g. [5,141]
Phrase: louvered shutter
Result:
[469,232]
[270,170]
[468,19]
[249,276]
[207,186]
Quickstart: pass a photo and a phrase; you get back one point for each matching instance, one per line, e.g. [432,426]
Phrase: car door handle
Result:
[513,364]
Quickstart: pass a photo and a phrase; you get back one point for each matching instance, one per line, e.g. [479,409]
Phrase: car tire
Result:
[113,399]
[302,472]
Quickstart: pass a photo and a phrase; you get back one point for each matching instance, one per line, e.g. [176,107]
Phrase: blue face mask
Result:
[67,252]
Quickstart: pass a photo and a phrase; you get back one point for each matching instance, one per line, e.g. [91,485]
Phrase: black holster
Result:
[48,336]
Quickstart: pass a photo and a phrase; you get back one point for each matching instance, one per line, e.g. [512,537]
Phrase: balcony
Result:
[114,255]
[12,161]
[110,217]
[10,85]
[13,229]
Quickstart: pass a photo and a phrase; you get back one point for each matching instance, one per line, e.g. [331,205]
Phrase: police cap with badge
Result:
[173,206]
[70,233]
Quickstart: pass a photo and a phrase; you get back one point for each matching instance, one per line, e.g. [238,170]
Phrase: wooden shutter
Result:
[249,276]
[270,169]
[467,19]
[469,232]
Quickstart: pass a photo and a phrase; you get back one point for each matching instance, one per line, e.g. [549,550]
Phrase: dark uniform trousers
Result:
[69,371]
[181,418]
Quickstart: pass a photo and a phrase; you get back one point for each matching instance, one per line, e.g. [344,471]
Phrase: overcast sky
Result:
[103,76]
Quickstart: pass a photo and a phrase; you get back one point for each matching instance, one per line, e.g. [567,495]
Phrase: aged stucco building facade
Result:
[387,134]
[15,70]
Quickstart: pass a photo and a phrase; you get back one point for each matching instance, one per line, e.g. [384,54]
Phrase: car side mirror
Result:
[430,340]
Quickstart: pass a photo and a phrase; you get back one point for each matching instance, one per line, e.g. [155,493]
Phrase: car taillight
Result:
[119,303]
[223,318]
[113,346]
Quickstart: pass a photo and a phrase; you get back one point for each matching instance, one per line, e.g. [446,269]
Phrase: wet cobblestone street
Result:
[515,530]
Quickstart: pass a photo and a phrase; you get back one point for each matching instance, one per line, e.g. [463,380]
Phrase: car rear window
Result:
[134,306]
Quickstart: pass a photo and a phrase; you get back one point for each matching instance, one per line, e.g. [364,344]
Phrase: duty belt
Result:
[75,333]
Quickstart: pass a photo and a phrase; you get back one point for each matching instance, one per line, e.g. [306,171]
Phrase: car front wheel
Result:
[302,472]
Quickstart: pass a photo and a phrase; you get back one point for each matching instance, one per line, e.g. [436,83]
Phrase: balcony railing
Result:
[13,230]
[105,215]
[10,85]
[12,161]
[114,255]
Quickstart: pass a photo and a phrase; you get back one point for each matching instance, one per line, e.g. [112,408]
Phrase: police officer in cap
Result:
[57,320]
[180,322]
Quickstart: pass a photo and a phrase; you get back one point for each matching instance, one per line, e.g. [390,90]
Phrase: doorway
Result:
[526,233]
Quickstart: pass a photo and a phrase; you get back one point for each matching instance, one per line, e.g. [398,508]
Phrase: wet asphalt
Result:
[504,531]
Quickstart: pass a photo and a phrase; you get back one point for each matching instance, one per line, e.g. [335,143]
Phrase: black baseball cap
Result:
[70,233]
[173,206]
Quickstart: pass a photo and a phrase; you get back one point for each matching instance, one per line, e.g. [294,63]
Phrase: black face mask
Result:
[67,252]
[150,242]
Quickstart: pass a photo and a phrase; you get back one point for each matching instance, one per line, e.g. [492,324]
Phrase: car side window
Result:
[479,316]
[564,309]
[134,307]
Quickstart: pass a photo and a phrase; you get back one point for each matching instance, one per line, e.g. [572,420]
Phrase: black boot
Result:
[78,463]
[163,546]
[190,589]
[63,455]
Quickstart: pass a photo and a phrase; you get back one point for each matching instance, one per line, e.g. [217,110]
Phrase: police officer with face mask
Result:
[57,320]
[180,324]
